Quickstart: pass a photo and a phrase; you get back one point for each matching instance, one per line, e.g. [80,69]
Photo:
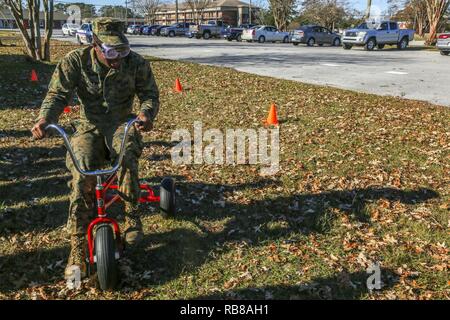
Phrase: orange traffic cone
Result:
[272,117]
[34,77]
[178,87]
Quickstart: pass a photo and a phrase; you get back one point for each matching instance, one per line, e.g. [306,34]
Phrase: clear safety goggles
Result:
[115,52]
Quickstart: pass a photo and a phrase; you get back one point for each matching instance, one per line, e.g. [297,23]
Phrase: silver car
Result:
[313,34]
[69,29]
[443,43]
[264,33]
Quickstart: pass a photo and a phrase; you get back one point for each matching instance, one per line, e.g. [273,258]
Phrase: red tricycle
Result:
[105,245]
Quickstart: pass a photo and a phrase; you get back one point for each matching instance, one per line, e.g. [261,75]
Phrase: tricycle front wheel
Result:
[105,252]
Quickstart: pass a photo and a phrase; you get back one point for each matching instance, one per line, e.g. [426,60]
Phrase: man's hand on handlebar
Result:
[38,129]
[145,123]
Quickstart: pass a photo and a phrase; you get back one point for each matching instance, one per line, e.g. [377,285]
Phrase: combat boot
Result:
[77,257]
[133,229]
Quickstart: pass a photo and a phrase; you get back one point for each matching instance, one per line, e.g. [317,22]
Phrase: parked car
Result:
[141,28]
[84,34]
[314,34]
[157,31]
[69,29]
[443,43]
[133,29]
[213,28]
[265,33]
[236,33]
[147,30]
[176,29]
[371,35]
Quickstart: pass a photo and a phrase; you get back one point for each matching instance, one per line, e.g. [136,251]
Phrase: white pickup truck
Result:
[371,35]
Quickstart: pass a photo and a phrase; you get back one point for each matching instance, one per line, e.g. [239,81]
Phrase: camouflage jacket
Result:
[106,95]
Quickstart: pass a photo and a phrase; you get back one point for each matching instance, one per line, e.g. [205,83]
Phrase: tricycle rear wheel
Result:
[167,197]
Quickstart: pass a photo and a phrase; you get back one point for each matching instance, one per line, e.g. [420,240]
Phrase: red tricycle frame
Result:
[104,201]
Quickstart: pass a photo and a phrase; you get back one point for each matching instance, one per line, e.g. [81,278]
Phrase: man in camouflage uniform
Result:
[106,77]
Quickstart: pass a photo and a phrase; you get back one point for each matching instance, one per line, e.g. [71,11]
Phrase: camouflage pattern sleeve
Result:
[61,87]
[147,90]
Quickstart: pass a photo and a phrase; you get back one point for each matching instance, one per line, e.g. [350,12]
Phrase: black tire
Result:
[445,53]
[105,252]
[167,197]
[239,38]
[206,35]
[311,41]
[347,46]
[380,46]
[320,44]
[249,41]
[172,34]
[261,39]
[337,42]
[370,44]
[295,43]
[403,44]
[229,39]
[286,39]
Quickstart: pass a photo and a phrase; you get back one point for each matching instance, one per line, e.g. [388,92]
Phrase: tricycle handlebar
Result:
[95,172]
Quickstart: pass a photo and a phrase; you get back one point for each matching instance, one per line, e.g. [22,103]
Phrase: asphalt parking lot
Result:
[414,73]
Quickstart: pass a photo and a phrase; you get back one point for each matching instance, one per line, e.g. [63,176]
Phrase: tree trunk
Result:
[17,12]
[31,26]
[435,11]
[37,29]
[420,28]
[48,15]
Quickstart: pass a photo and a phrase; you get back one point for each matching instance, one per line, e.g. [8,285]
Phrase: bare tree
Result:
[435,12]
[148,8]
[32,40]
[264,15]
[420,16]
[327,13]
[198,7]
[414,12]
[282,11]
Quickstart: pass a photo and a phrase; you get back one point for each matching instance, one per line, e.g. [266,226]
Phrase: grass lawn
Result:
[363,179]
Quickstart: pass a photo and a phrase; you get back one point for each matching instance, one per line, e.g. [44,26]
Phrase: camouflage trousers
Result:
[96,150]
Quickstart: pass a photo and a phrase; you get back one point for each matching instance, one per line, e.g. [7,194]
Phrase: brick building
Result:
[232,12]
[7,20]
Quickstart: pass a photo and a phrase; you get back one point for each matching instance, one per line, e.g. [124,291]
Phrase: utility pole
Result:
[250,12]
[126,13]
[176,11]
[134,11]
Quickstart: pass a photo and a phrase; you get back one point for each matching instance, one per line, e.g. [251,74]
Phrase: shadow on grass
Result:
[30,176]
[343,285]
[17,91]
[182,250]
[170,254]
[23,269]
